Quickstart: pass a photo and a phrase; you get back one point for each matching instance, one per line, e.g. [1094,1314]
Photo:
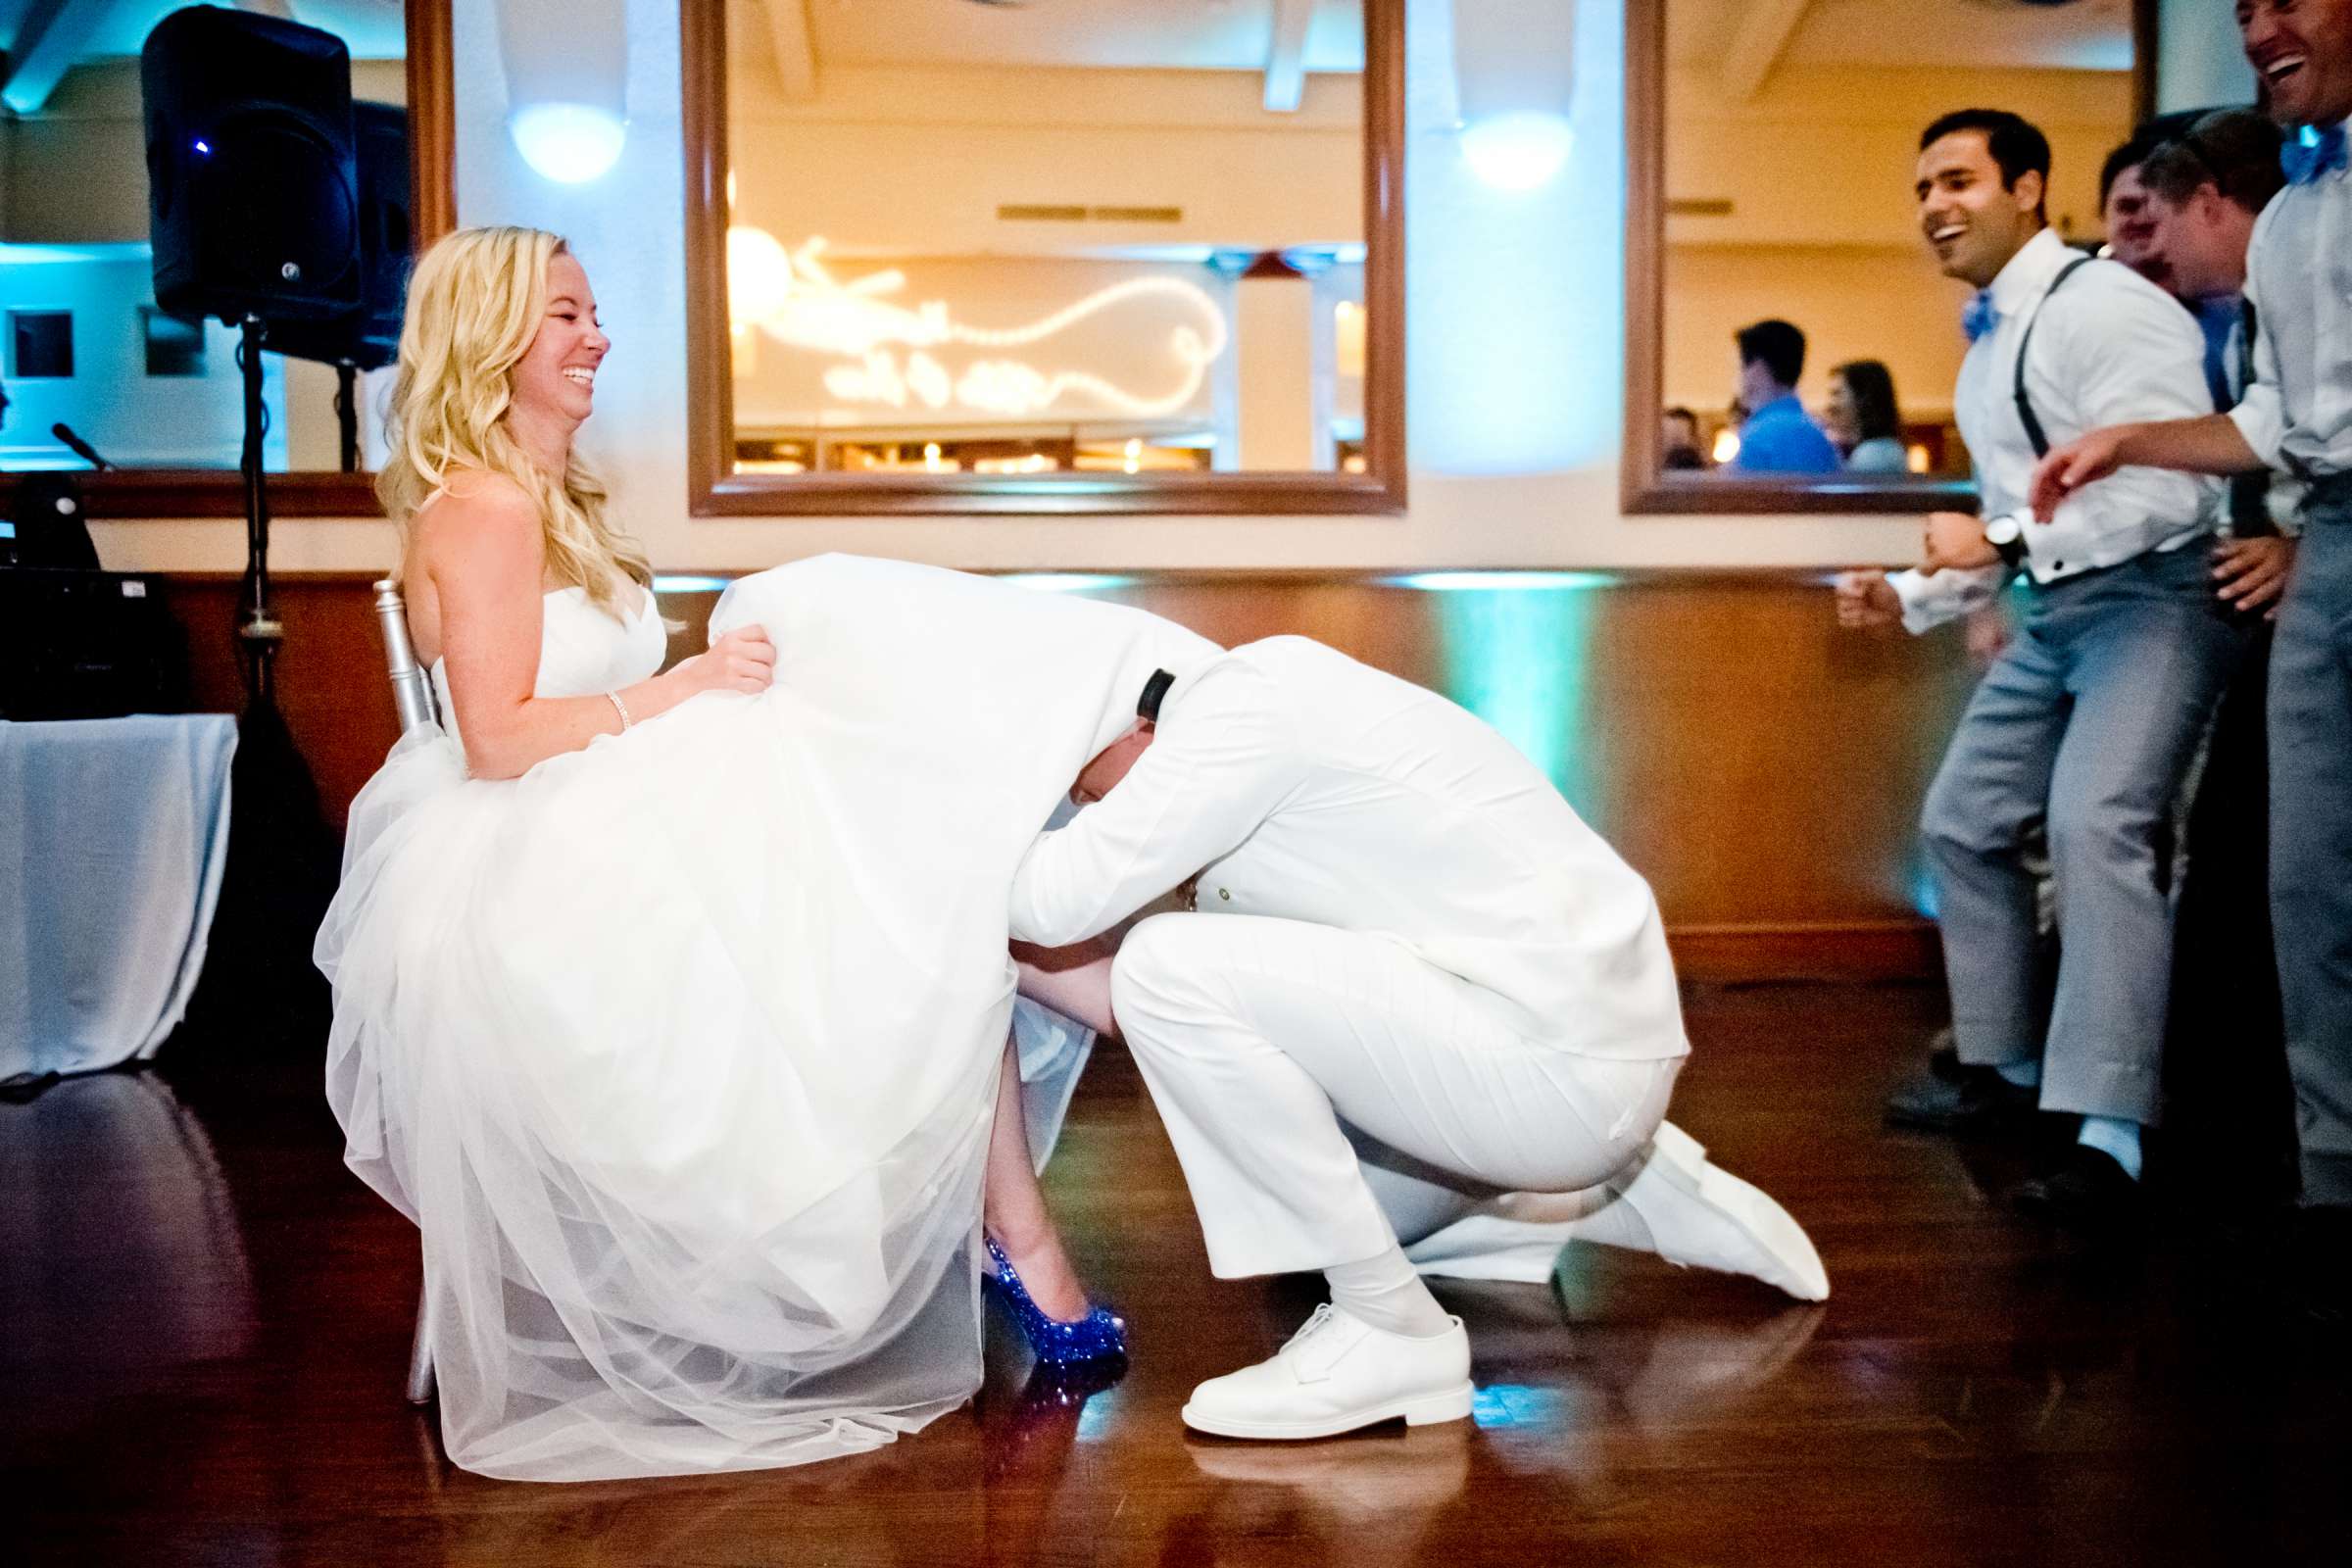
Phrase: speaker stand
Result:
[259,632]
[347,412]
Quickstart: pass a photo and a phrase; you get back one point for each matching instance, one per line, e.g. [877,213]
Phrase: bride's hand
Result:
[743,661]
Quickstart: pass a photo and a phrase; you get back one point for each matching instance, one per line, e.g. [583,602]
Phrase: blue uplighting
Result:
[690,585]
[1516,1404]
[1923,891]
[205,148]
[1096,1420]
[1518,659]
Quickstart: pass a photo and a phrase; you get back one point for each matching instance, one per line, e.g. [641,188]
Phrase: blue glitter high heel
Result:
[1100,1336]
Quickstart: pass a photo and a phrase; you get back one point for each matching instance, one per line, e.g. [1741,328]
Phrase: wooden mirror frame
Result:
[432,212]
[1644,483]
[715,489]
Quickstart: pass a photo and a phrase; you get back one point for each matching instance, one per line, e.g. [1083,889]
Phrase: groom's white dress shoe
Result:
[1703,1216]
[1339,1373]
[1678,1205]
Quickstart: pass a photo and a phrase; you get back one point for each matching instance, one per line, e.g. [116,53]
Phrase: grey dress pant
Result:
[2311,837]
[2085,726]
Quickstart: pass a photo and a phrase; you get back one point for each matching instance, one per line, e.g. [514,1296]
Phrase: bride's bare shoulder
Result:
[476,518]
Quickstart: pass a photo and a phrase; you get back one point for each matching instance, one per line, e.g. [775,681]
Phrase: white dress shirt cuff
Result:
[2258,418]
[1930,602]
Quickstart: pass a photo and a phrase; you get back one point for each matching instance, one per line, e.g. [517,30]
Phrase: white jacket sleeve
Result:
[1219,762]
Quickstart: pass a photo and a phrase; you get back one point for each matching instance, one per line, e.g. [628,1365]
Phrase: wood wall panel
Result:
[1763,769]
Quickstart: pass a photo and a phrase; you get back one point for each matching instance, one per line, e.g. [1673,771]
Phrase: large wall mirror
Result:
[1771,145]
[1124,256]
[81,342]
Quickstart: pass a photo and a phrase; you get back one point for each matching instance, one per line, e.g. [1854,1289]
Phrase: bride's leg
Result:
[1074,981]
[1014,1206]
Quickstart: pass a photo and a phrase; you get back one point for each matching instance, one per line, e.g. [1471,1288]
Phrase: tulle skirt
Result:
[680,1049]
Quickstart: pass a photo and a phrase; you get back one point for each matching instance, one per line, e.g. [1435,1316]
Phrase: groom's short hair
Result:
[1146,706]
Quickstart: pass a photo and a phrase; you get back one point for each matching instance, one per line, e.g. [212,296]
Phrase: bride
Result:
[673,1007]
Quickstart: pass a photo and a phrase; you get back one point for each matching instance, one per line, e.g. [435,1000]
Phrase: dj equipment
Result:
[252,181]
[78,447]
[88,645]
[45,525]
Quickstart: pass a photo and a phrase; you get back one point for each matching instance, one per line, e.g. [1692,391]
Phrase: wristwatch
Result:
[2008,536]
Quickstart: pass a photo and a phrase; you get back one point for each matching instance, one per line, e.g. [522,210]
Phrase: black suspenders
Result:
[2024,405]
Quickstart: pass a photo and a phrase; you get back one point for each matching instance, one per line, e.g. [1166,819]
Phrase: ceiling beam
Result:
[50,37]
[1286,56]
[796,47]
[1765,29]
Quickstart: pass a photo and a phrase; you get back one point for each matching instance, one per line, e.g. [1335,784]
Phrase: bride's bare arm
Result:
[483,553]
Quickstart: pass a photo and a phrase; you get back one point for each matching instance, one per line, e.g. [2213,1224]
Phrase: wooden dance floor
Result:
[207,1323]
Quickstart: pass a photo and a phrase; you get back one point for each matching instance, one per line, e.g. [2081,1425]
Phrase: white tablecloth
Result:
[112,835]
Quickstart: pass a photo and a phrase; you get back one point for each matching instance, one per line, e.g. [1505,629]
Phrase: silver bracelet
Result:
[621,708]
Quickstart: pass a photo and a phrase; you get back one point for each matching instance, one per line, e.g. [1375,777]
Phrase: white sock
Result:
[2113,1134]
[2024,1074]
[1385,1292]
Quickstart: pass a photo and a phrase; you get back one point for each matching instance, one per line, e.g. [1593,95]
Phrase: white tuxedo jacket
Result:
[1303,785]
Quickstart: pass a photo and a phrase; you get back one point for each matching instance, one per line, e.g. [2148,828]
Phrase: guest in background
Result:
[2128,208]
[1681,441]
[1862,421]
[2124,203]
[2297,416]
[2204,190]
[1779,436]
[2225,1052]
[2087,721]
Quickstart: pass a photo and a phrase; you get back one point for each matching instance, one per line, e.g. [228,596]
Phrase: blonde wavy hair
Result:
[474,305]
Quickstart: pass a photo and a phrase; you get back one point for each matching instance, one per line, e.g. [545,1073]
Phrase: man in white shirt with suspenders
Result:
[2087,721]
[2295,416]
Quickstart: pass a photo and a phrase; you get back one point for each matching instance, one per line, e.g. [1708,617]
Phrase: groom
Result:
[1412,979]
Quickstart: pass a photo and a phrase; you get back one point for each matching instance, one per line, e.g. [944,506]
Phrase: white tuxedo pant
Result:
[1273,1048]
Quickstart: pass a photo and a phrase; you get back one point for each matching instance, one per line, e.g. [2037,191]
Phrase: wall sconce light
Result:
[567,67]
[1514,64]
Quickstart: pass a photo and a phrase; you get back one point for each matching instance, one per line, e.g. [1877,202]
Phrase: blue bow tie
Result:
[1980,317]
[2313,152]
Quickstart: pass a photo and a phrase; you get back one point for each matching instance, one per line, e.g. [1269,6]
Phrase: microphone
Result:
[78,447]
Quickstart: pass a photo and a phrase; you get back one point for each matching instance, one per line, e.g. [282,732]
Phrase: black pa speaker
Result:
[369,337]
[253,183]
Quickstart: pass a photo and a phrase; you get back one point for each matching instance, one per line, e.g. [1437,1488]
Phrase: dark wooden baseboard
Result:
[1828,950]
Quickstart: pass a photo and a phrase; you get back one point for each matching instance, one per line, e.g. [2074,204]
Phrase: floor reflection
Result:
[116,1212]
[207,1319]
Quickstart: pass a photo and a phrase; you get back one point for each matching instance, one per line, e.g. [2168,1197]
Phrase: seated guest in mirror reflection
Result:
[2086,725]
[1680,440]
[1862,420]
[1780,436]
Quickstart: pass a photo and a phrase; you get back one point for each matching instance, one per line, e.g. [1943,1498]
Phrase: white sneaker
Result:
[1339,1373]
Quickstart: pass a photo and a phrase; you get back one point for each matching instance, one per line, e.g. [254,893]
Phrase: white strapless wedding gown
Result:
[681,1049]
